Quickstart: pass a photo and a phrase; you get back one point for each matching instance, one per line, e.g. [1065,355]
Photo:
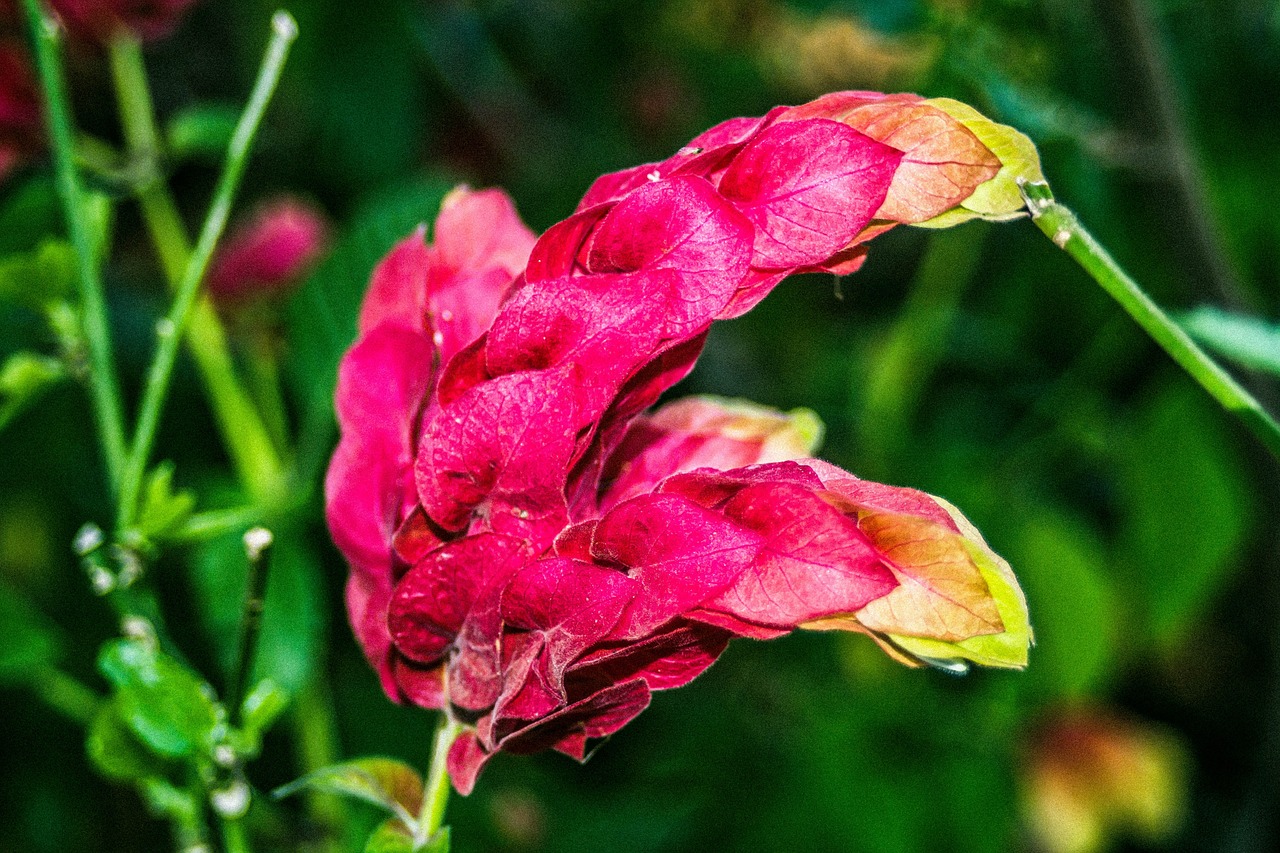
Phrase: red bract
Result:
[531,552]
[20,124]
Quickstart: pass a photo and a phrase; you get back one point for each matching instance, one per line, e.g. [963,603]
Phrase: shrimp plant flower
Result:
[534,549]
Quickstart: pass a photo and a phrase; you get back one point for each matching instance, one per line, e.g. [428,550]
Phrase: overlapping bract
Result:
[531,551]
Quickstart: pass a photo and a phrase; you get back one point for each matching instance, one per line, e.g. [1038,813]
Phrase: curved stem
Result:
[435,793]
[108,410]
[1060,225]
[284,31]
[244,433]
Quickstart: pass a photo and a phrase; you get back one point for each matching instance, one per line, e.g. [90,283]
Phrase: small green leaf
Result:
[29,643]
[116,752]
[40,277]
[165,704]
[202,131]
[25,376]
[1250,341]
[261,708]
[163,510]
[391,836]
[998,198]
[384,782]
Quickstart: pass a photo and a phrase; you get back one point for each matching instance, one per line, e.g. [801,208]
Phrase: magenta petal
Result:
[398,289]
[814,561]
[809,187]
[466,759]
[434,600]
[561,250]
[501,444]
[678,552]
[481,230]
[670,659]
[368,488]
[680,224]
[598,715]
[566,606]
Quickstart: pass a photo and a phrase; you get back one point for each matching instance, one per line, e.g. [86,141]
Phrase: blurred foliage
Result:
[976,364]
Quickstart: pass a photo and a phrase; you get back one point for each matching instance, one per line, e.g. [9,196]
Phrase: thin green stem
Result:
[435,793]
[1060,225]
[257,547]
[316,739]
[234,837]
[108,410]
[284,31]
[244,432]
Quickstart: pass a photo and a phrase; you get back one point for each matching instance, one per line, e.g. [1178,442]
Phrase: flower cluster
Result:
[531,551]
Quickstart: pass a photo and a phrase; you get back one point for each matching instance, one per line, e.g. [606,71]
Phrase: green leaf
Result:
[165,704]
[30,214]
[998,198]
[23,378]
[391,836]
[40,277]
[1185,508]
[116,752]
[294,613]
[202,131]
[29,643]
[1065,571]
[163,510]
[1249,341]
[384,782]
[261,708]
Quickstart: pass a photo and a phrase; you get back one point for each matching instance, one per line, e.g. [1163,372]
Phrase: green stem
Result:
[435,793]
[257,547]
[284,31]
[108,410]
[316,739]
[244,433]
[67,696]
[234,837]
[1060,225]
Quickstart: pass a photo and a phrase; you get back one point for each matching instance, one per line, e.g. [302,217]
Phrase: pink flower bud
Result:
[268,252]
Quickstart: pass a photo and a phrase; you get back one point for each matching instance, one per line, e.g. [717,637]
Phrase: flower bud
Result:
[268,252]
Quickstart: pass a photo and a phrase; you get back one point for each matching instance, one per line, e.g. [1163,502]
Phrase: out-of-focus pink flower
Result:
[1092,777]
[532,553]
[267,252]
[21,130]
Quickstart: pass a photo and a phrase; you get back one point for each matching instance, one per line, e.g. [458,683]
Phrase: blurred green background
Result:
[977,364]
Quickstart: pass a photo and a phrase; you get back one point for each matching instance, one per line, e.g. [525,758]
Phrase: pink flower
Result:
[21,129]
[268,252]
[530,551]
[99,20]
